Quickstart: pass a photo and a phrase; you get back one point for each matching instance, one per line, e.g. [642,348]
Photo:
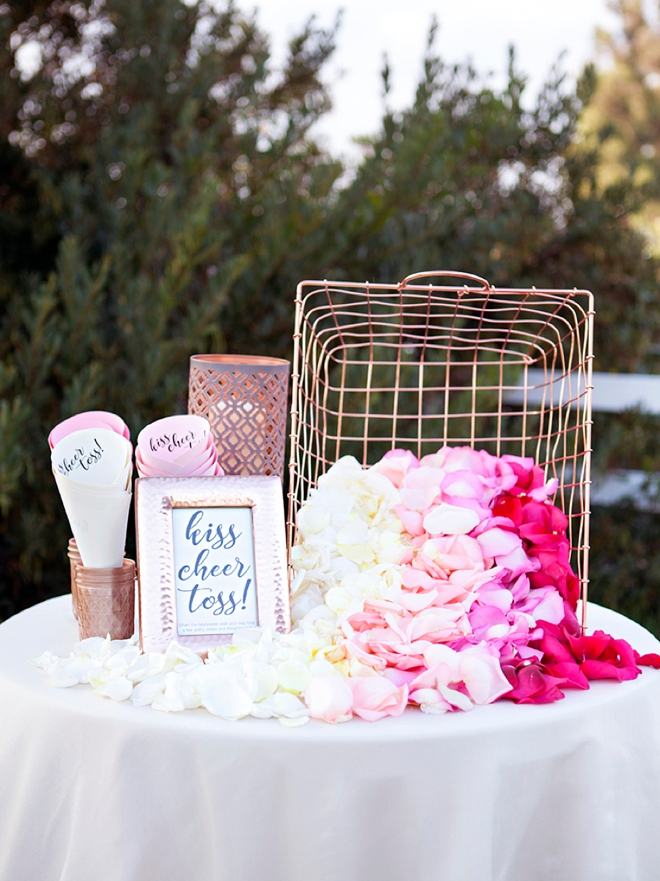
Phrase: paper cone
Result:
[95,456]
[160,467]
[207,470]
[88,419]
[203,457]
[175,437]
[151,466]
[98,518]
[100,493]
[200,451]
[123,479]
[198,454]
[155,467]
[191,466]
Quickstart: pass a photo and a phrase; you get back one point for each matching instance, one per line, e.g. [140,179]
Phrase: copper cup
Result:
[244,397]
[74,559]
[106,601]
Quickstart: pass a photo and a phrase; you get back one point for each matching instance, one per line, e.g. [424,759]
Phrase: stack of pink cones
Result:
[177,446]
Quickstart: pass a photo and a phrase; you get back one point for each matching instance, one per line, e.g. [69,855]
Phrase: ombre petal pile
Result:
[442,583]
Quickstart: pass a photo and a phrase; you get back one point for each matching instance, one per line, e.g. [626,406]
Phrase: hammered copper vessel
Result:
[106,601]
[244,397]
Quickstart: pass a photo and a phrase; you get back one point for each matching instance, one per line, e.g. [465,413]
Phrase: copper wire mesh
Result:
[418,365]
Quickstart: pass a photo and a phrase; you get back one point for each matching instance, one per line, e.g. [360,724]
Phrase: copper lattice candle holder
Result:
[418,365]
[244,397]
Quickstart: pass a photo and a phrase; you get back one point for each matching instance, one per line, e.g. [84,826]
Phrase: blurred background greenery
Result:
[161,194]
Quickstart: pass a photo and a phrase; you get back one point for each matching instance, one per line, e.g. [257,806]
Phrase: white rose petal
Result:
[250,636]
[179,654]
[291,712]
[289,709]
[293,676]
[353,542]
[148,690]
[329,698]
[223,694]
[117,688]
[59,677]
[77,667]
[288,705]
[94,646]
[305,602]
[354,532]
[455,698]
[146,666]
[293,722]
[98,675]
[312,519]
[446,519]
[123,658]
[429,701]
[179,695]
[265,678]
[45,660]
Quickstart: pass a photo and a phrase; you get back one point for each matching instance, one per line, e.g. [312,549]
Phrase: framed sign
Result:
[211,559]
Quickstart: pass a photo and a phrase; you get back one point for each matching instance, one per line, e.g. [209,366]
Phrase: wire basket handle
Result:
[446,274]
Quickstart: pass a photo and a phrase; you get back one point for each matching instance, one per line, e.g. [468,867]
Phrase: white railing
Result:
[612,393]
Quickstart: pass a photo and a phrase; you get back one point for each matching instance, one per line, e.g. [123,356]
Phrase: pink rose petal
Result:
[375,697]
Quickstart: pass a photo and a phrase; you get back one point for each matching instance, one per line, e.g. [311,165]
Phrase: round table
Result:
[98,791]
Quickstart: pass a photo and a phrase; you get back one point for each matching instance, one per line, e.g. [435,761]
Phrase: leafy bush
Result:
[160,194]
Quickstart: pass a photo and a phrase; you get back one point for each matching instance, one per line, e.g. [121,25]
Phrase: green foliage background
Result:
[160,195]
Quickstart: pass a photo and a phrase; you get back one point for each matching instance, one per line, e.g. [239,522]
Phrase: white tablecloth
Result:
[96,791]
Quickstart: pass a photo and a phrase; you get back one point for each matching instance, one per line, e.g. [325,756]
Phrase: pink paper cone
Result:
[88,419]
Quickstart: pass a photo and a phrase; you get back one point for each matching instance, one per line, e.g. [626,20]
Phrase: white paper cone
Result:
[90,491]
[123,479]
[94,456]
[98,521]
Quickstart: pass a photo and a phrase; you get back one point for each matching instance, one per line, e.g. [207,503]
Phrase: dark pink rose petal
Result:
[648,660]
[602,670]
[570,673]
[553,649]
[531,685]
[509,507]
[593,646]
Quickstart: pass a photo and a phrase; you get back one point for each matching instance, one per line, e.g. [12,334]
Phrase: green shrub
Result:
[166,197]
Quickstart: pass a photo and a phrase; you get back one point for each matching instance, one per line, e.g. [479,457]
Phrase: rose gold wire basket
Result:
[418,365]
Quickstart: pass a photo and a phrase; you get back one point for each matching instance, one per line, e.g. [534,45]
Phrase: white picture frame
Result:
[211,555]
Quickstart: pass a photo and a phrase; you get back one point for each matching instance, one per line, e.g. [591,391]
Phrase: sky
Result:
[477,29]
